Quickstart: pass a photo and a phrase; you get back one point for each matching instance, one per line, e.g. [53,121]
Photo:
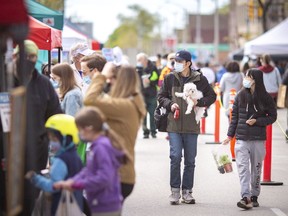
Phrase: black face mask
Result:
[24,73]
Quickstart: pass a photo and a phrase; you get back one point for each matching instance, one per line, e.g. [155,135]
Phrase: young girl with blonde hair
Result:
[124,110]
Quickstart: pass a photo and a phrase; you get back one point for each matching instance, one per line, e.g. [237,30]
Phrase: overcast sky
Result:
[104,13]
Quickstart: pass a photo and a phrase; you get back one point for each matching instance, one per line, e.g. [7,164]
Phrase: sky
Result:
[104,13]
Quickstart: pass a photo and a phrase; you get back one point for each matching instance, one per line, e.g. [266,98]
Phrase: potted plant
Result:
[220,167]
[226,162]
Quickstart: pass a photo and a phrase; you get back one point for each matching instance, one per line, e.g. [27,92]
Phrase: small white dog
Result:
[189,93]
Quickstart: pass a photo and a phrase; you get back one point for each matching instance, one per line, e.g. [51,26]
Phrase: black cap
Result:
[183,55]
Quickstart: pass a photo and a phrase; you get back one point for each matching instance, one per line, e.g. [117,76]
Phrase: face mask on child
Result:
[54,146]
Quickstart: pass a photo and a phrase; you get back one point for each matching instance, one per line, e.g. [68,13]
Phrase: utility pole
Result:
[198,39]
[233,29]
[216,32]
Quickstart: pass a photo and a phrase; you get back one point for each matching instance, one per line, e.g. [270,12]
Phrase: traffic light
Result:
[260,12]
[250,7]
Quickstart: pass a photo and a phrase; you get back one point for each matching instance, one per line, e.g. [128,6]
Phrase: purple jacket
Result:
[100,178]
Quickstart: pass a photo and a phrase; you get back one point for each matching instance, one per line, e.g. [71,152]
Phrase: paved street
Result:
[216,194]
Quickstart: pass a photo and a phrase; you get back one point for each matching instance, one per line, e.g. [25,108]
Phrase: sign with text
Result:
[5,111]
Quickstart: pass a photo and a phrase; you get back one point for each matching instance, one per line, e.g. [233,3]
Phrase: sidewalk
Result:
[216,194]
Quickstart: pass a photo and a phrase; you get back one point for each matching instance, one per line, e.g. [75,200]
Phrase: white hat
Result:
[83,49]
[119,58]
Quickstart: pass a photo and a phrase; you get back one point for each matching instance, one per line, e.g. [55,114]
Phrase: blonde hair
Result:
[66,74]
[266,58]
[93,117]
[127,84]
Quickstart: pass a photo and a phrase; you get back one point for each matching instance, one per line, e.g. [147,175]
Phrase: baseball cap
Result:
[83,49]
[30,48]
[183,55]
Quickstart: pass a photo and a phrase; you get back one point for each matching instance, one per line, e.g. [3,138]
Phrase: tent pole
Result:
[59,55]
[49,61]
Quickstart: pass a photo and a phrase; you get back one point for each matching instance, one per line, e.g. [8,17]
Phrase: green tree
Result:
[135,30]
[57,5]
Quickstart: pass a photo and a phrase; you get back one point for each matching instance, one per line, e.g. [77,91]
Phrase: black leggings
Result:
[126,190]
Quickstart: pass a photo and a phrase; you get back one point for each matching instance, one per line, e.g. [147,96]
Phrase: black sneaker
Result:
[146,136]
[245,203]
[153,135]
[254,200]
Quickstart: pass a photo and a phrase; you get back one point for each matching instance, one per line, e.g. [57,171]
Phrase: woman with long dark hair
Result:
[253,110]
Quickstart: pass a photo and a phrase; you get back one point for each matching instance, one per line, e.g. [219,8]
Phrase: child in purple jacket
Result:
[100,178]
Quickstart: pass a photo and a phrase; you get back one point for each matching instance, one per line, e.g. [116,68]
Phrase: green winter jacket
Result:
[173,82]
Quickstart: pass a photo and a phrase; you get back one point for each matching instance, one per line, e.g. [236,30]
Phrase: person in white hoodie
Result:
[271,76]
[233,78]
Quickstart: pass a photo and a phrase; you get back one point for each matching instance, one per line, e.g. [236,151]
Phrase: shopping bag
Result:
[81,150]
[68,205]
[223,159]
[282,96]
[160,118]
[42,205]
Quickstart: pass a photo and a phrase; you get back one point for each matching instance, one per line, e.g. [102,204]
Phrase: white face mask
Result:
[178,67]
[247,83]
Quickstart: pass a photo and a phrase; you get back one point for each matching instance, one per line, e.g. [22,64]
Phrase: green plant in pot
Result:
[219,166]
[226,162]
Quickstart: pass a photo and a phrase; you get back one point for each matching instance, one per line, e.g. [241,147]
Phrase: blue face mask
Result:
[247,83]
[178,67]
[54,83]
[139,65]
[54,146]
[87,80]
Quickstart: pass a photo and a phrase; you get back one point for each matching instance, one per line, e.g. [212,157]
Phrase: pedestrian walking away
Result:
[253,110]
[183,131]
[124,109]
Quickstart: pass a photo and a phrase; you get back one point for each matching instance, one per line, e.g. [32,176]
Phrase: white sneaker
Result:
[175,196]
[187,197]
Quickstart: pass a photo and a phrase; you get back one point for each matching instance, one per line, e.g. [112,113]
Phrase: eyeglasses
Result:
[90,70]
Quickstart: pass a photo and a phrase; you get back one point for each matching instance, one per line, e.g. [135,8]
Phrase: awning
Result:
[43,35]
[44,14]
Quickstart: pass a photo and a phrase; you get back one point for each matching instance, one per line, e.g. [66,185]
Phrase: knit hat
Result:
[30,48]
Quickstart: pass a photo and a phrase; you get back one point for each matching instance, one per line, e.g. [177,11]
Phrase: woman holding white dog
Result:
[124,110]
[183,131]
[253,110]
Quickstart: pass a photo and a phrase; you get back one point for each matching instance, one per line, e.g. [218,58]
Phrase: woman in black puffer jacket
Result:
[253,110]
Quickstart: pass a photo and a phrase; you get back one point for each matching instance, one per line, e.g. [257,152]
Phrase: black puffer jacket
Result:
[242,112]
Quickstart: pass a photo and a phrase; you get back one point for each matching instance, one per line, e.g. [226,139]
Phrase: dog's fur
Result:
[189,93]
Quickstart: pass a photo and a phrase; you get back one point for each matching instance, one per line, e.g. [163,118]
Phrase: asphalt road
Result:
[216,194]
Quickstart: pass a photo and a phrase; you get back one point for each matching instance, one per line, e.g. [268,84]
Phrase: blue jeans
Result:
[187,142]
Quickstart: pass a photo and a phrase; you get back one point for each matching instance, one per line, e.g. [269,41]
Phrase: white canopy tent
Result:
[71,37]
[273,42]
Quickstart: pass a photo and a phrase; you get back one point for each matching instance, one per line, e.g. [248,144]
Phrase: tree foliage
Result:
[57,5]
[264,5]
[135,30]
